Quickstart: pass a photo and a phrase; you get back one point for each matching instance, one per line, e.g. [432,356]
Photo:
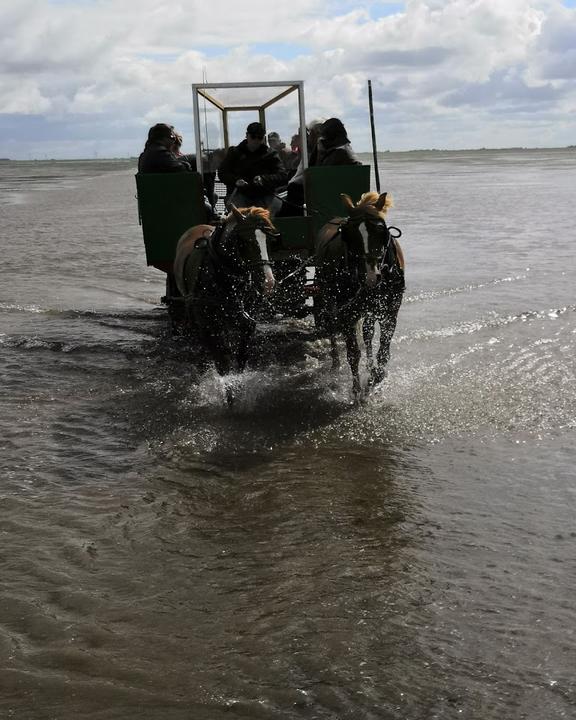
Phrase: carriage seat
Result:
[168,204]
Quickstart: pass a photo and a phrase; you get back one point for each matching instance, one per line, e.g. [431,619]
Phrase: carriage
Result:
[170,204]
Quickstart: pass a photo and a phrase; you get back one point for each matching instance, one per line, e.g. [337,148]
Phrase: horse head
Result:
[249,229]
[366,232]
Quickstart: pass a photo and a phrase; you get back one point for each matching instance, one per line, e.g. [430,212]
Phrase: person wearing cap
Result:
[159,154]
[252,172]
[333,146]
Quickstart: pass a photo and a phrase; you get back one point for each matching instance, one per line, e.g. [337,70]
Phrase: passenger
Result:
[333,147]
[275,143]
[162,153]
[287,155]
[253,172]
[208,174]
[159,155]
[294,203]
[295,144]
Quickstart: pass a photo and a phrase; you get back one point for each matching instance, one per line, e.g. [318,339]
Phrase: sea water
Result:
[165,558]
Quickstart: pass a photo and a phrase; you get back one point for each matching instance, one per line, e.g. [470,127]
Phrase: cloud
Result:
[437,66]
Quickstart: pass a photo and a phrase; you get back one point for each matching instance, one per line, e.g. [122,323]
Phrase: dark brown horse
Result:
[359,276]
[215,269]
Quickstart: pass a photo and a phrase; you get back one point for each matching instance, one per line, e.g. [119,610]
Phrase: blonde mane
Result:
[375,203]
[256,212]
[370,202]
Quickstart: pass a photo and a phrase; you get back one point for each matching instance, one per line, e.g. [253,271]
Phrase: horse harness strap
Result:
[202,244]
[338,234]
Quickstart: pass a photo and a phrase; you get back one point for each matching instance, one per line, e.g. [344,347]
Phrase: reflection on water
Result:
[296,557]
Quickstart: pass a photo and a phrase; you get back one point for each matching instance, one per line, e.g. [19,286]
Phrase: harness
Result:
[386,262]
[222,270]
[389,259]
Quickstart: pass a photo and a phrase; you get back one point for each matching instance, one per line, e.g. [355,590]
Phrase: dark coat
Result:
[336,151]
[242,164]
[157,158]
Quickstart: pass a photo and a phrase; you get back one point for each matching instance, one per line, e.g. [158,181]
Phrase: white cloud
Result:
[445,72]
[23,98]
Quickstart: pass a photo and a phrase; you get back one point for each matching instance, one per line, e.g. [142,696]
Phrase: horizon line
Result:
[359,152]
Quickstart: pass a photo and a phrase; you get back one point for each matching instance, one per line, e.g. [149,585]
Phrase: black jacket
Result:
[336,151]
[242,164]
[158,159]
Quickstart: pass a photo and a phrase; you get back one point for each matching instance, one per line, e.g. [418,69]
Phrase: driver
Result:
[253,172]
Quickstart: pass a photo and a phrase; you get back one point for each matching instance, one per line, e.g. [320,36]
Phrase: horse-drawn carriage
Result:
[304,254]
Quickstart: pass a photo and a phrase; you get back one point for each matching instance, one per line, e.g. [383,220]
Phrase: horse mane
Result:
[368,202]
[257,212]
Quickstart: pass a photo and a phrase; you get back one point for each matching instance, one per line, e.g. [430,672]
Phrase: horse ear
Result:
[347,201]
[380,204]
[237,214]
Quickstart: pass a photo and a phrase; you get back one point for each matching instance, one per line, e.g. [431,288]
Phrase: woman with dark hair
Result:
[161,152]
[333,146]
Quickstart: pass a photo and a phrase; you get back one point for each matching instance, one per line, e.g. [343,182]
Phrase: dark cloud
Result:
[19,128]
[559,67]
[502,90]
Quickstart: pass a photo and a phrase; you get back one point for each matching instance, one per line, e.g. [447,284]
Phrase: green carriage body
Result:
[170,203]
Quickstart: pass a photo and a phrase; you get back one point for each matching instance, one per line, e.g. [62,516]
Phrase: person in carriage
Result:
[290,157]
[162,154]
[333,146]
[253,172]
[328,144]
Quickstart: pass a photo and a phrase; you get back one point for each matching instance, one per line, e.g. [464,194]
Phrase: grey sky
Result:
[80,78]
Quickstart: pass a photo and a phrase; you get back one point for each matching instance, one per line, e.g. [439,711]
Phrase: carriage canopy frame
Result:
[268,92]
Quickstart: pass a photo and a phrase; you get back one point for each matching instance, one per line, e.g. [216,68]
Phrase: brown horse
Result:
[215,268]
[359,275]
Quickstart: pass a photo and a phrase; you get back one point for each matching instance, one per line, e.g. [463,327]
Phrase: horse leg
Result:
[387,318]
[210,336]
[353,353]
[219,351]
[368,325]
[247,326]
[334,354]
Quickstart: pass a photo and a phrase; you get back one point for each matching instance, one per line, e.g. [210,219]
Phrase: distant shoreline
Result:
[432,151]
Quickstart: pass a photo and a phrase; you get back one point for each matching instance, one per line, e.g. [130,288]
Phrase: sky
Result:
[87,78]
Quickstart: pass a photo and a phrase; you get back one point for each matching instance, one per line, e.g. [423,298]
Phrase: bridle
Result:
[376,260]
[231,229]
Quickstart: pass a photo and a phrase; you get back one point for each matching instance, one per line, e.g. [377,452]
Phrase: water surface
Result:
[297,557]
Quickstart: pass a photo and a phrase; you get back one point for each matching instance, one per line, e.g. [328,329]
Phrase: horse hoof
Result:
[358,396]
[230,397]
[377,376]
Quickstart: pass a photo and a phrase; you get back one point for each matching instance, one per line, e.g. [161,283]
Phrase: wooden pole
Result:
[374,150]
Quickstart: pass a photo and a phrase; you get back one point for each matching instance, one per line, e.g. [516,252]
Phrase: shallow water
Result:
[296,557]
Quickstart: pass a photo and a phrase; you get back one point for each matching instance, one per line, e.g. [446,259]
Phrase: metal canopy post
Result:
[198,139]
[225,128]
[286,87]
[303,133]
